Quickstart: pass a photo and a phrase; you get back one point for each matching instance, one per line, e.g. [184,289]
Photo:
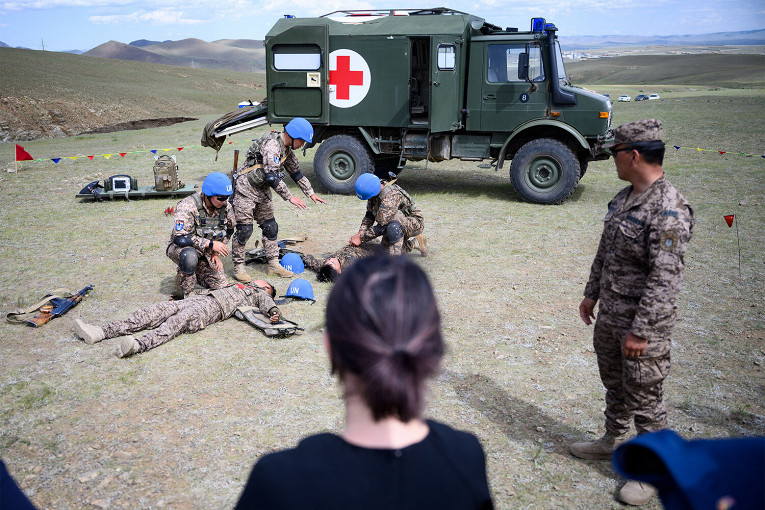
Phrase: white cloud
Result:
[157,17]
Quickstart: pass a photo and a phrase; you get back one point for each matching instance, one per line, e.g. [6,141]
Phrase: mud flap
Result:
[281,329]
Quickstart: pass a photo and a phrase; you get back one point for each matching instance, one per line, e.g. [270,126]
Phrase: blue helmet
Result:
[300,129]
[368,186]
[300,288]
[292,262]
[217,183]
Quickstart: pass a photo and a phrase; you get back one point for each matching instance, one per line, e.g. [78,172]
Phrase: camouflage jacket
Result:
[638,269]
[191,222]
[270,151]
[347,256]
[383,209]
[232,297]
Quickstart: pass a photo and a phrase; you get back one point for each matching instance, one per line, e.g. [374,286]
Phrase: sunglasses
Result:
[613,151]
[221,198]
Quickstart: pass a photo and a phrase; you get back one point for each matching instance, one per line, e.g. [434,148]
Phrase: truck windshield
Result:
[504,60]
[559,63]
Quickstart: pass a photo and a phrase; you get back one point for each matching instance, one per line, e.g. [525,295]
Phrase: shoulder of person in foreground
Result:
[459,445]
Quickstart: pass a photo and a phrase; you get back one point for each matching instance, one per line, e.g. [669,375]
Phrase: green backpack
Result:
[166,174]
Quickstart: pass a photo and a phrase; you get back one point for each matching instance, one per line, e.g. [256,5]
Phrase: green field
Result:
[180,426]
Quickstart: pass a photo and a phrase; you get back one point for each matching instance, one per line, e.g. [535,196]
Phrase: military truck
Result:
[385,87]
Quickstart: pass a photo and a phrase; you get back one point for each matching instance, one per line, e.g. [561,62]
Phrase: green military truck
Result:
[385,87]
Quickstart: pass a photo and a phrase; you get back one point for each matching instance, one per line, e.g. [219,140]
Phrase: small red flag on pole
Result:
[21,155]
[729,219]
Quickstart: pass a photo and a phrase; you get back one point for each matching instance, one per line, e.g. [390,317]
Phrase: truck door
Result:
[507,98]
[445,86]
[296,74]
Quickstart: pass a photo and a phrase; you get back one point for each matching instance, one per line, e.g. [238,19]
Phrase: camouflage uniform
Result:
[201,226]
[252,195]
[345,257]
[637,274]
[169,319]
[392,204]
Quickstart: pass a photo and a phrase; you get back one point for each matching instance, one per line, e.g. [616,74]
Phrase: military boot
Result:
[636,493]
[240,274]
[89,333]
[275,268]
[177,290]
[420,243]
[127,346]
[597,450]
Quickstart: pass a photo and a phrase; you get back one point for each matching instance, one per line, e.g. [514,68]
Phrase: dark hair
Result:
[327,273]
[652,152]
[384,328]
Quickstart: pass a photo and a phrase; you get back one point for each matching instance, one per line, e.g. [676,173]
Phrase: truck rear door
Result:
[445,89]
[296,74]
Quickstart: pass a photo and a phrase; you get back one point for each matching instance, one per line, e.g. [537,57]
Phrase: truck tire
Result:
[339,161]
[544,171]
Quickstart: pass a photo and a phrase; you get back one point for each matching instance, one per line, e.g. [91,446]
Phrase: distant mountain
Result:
[746,38]
[74,52]
[244,55]
[3,45]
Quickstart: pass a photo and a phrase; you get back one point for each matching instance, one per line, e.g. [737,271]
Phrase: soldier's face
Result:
[334,264]
[265,286]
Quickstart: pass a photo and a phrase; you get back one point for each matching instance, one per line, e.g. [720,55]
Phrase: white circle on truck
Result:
[349,78]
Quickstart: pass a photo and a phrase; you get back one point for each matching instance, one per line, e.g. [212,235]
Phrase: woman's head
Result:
[384,329]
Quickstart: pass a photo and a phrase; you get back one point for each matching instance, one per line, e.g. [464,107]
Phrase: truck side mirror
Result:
[523,66]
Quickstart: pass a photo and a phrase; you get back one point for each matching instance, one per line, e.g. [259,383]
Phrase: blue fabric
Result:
[11,497]
[725,474]
[367,186]
[217,183]
[299,128]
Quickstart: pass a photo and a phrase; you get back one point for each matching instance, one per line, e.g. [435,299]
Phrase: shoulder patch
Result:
[276,160]
[669,241]
[669,212]
[178,225]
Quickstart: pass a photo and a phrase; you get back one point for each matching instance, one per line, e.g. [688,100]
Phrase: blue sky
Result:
[84,24]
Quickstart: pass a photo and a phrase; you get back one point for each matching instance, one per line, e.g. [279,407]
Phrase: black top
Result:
[446,470]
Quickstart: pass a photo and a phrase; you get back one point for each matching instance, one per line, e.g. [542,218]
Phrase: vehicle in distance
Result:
[624,97]
[641,97]
[654,96]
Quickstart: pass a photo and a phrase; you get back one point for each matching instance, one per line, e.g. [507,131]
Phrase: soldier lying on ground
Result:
[328,269]
[168,319]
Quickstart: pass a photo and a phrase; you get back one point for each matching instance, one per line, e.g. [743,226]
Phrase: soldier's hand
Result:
[220,248]
[586,310]
[275,318]
[634,346]
[298,203]
[317,199]
[216,263]
[355,240]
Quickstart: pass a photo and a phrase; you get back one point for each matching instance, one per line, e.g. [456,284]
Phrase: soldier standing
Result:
[636,275]
[252,192]
[169,319]
[398,221]
[204,222]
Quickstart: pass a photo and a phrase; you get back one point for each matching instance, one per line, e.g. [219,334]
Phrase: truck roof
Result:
[411,22]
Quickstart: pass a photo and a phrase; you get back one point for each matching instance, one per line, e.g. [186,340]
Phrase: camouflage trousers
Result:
[412,226]
[205,275]
[633,386]
[252,205]
[167,320]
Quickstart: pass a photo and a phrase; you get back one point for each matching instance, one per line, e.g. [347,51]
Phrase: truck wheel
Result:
[339,161]
[385,164]
[544,171]
[582,168]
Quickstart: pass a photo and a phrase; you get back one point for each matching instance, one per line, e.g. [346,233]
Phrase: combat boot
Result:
[127,346]
[177,290]
[240,274]
[597,450]
[275,268]
[420,243]
[89,333]
[636,493]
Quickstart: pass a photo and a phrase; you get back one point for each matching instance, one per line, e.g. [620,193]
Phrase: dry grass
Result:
[180,426]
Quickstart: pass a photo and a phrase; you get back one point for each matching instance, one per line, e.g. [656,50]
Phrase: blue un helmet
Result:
[368,186]
[300,289]
[300,129]
[217,183]
[292,262]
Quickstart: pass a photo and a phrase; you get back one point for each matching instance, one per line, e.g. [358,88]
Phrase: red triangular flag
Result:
[22,155]
[90,158]
[179,149]
[729,219]
[721,152]
[122,154]
[167,211]
[172,210]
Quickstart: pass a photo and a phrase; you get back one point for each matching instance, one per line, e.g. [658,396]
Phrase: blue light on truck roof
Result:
[537,24]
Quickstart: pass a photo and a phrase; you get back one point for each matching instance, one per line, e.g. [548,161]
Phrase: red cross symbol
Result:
[343,77]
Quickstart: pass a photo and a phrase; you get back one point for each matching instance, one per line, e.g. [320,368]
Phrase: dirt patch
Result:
[139,124]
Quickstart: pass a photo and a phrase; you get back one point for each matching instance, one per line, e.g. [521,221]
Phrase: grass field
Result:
[180,426]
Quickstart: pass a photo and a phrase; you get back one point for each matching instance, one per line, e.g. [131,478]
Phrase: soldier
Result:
[204,222]
[252,192]
[169,319]
[399,222]
[329,268]
[636,275]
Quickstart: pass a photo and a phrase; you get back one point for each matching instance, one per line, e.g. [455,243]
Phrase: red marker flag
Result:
[729,219]
[22,155]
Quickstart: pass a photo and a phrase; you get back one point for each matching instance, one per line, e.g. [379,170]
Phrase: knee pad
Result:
[243,232]
[188,260]
[270,229]
[393,232]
